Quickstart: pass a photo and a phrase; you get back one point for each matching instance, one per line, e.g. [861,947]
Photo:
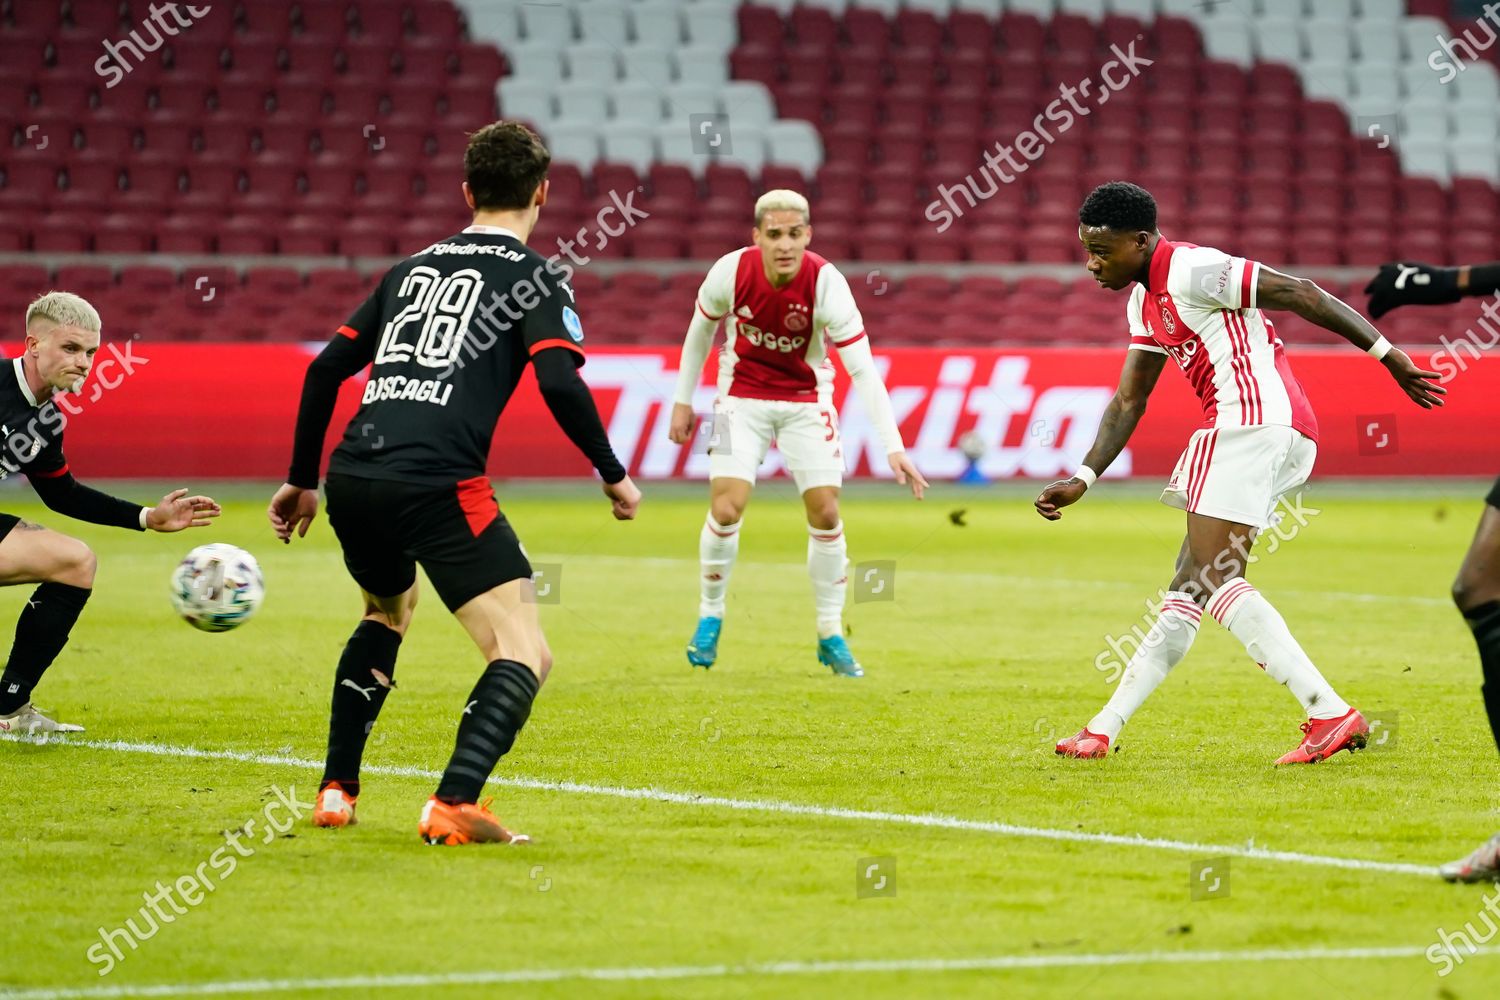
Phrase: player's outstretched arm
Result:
[1137,379]
[177,511]
[1411,283]
[1274,290]
[66,495]
[860,364]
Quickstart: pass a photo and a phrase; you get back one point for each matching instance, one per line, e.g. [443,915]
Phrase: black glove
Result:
[1411,284]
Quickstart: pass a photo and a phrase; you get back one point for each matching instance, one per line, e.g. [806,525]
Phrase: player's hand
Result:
[681,428]
[907,473]
[624,498]
[1419,384]
[177,510]
[1058,495]
[292,509]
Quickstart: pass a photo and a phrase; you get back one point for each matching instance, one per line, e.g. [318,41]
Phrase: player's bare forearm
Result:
[1137,380]
[1274,290]
[1119,422]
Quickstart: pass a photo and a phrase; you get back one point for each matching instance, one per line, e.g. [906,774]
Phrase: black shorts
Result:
[1494,498]
[456,533]
[8,524]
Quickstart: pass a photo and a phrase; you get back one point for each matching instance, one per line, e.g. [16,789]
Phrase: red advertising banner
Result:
[192,412]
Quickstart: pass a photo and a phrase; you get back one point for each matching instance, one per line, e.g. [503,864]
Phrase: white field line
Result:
[773,806]
[995,963]
[980,577]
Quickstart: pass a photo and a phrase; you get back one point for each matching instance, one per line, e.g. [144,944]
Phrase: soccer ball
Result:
[217,587]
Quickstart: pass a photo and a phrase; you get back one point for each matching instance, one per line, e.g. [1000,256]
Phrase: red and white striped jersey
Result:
[1198,305]
[774,337]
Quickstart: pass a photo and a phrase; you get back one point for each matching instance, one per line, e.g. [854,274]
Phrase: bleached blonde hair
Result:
[781,200]
[64,309]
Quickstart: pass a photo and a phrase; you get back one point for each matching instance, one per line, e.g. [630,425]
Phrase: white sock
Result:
[718,544]
[1164,646]
[1241,609]
[827,558]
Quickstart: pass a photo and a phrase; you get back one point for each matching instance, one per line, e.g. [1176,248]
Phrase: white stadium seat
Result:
[1420,36]
[527,99]
[634,101]
[1343,11]
[1472,123]
[547,24]
[592,62]
[794,144]
[835,6]
[1227,40]
[1277,40]
[1041,8]
[1094,10]
[1145,10]
[1287,10]
[1326,83]
[711,28]
[1418,80]
[748,101]
[656,23]
[940,8]
[1425,158]
[538,63]
[603,21]
[1425,121]
[1371,82]
[582,101]
[1376,41]
[684,99]
[1382,10]
[747,149]
[675,145]
[646,63]
[1478,83]
[629,143]
[1327,41]
[573,142]
[498,21]
[1475,157]
[990,8]
[707,67]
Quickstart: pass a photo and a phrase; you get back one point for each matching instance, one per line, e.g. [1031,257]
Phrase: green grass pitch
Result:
[982,659]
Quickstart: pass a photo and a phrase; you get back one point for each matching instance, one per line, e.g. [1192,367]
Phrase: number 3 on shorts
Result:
[828,423]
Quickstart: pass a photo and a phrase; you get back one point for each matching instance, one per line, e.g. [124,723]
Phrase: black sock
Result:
[1484,622]
[358,693]
[1484,279]
[497,709]
[41,633]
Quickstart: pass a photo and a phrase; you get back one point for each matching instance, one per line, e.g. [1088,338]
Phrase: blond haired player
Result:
[782,306]
[62,336]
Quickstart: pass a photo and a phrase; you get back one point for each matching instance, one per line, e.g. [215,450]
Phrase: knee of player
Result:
[80,564]
[1470,590]
[726,511]
[823,514]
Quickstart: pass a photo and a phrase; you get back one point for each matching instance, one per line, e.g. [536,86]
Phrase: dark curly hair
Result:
[1119,205]
[504,164]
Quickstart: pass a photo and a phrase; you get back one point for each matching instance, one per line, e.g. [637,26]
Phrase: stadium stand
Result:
[332,130]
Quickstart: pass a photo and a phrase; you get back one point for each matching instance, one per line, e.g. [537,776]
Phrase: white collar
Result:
[25,387]
[494,231]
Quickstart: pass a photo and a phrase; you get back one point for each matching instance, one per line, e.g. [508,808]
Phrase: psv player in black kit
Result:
[448,333]
[62,336]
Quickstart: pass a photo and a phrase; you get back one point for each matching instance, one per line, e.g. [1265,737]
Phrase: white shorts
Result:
[806,434]
[1239,473]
